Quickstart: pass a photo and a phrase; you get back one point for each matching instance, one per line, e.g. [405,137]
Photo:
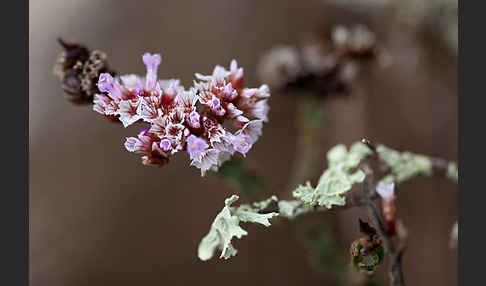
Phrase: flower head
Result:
[211,121]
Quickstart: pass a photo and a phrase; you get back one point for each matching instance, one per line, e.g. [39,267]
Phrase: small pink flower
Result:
[165,144]
[233,112]
[260,110]
[152,63]
[194,119]
[207,160]
[132,82]
[141,144]
[147,108]
[263,91]
[386,190]
[229,92]
[252,129]
[128,112]
[196,146]
[249,92]
[242,143]
[236,76]
[106,83]
[101,103]
[215,104]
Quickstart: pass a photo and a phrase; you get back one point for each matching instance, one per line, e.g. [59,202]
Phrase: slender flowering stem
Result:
[308,144]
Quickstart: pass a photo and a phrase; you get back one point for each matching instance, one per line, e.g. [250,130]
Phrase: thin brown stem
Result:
[395,255]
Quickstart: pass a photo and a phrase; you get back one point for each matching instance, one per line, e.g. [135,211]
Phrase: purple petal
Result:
[195,146]
[194,119]
[152,63]
[165,144]
[106,83]
[242,143]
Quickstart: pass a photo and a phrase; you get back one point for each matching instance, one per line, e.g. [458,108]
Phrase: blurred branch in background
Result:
[325,65]
[432,17]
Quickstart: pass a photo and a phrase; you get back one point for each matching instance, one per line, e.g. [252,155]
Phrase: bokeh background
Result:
[99,217]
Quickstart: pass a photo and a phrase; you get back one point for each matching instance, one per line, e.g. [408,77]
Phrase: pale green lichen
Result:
[388,179]
[337,179]
[452,172]
[291,209]
[264,204]
[404,165]
[247,213]
[454,235]
[226,226]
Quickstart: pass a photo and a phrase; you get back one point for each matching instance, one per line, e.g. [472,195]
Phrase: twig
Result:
[394,254]
[355,198]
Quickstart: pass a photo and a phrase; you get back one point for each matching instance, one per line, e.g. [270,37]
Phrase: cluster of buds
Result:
[212,120]
[327,65]
[367,252]
[78,68]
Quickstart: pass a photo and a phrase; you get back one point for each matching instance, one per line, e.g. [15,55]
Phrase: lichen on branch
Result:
[226,225]
[337,179]
[333,191]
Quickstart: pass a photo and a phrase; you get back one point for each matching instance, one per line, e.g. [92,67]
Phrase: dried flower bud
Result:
[279,66]
[367,252]
[78,68]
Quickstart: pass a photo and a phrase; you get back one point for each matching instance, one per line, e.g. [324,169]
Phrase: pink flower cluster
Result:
[210,120]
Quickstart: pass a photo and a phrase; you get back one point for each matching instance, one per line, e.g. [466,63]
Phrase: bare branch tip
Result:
[369,144]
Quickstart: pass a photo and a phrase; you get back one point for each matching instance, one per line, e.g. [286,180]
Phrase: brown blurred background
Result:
[99,217]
